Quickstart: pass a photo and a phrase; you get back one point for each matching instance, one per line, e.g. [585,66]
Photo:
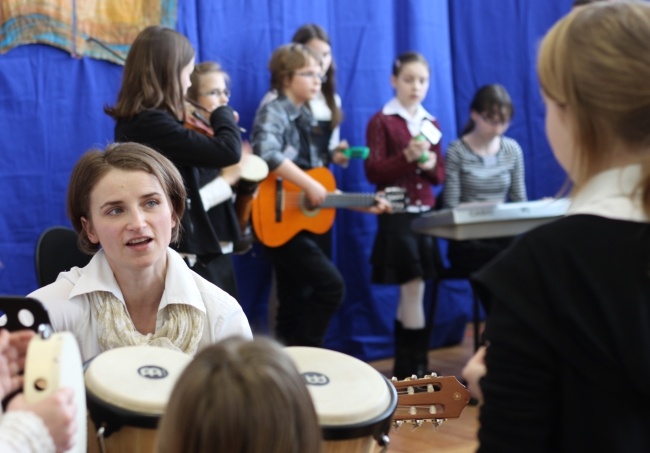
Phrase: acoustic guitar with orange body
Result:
[281,210]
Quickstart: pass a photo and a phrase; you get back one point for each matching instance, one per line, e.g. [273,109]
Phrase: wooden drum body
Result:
[254,170]
[354,402]
[127,390]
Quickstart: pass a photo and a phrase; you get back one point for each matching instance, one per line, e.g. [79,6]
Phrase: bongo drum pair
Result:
[127,391]
[353,401]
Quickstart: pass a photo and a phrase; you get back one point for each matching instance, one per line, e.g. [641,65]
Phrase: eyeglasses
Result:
[313,75]
[495,121]
[217,92]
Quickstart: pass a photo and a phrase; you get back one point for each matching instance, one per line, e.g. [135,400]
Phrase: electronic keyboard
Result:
[489,219]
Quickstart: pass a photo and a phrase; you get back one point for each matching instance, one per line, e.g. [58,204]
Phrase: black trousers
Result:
[309,288]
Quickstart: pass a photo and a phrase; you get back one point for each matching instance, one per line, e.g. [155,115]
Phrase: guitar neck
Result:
[348,200]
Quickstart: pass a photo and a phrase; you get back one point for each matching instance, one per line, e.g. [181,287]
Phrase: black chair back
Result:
[57,251]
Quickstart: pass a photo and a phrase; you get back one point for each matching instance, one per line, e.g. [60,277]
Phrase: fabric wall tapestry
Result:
[102,29]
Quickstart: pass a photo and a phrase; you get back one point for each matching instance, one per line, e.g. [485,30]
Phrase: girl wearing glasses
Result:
[150,109]
[326,106]
[483,165]
[309,286]
[209,91]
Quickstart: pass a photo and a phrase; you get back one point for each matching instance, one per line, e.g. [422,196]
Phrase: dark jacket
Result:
[569,332]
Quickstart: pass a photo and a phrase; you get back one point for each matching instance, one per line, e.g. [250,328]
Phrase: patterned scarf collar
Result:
[182,330]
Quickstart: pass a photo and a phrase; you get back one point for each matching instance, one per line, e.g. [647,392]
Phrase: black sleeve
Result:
[521,391]
[185,147]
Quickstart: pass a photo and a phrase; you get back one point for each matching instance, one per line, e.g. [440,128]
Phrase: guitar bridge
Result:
[278,200]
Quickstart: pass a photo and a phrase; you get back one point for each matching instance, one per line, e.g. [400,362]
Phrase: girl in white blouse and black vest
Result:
[404,142]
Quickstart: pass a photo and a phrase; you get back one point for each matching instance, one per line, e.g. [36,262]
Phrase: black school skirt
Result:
[399,254]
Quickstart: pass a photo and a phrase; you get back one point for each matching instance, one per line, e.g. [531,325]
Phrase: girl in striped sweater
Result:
[483,165]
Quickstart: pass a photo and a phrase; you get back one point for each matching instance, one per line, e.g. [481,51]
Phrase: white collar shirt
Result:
[414,123]
[69,307]
[321,112]
[612,194]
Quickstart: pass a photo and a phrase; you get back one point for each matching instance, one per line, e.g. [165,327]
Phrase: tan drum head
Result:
[139,379]
[254,168]
[349,395]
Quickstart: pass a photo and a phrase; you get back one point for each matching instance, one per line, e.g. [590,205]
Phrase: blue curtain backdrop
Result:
[51,112]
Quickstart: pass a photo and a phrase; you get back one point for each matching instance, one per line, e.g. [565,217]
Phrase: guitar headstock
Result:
[430,398]
[397,198]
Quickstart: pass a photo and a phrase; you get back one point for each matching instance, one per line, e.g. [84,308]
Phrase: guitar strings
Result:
[332,200]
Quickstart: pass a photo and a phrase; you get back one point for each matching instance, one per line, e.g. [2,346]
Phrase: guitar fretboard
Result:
[349,200]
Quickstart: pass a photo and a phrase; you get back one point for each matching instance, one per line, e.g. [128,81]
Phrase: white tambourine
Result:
[53,362]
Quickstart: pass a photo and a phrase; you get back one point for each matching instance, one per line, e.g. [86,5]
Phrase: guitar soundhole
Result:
[40,384]
[306,208]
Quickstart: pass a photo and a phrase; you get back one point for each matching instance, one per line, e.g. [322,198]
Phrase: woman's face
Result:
[131,218]
[323,51]
[213,91]
[186,83]
[411,84]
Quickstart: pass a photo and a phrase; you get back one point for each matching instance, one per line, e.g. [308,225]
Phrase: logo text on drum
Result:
[315,378]
[152,372]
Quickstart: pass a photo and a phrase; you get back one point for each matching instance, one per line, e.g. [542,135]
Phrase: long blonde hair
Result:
[595,64]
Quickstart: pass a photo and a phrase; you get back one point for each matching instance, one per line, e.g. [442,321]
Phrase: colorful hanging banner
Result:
[102,29]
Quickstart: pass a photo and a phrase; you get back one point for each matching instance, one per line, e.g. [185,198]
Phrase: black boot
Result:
[420,338]
[411,351]
[403,366]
